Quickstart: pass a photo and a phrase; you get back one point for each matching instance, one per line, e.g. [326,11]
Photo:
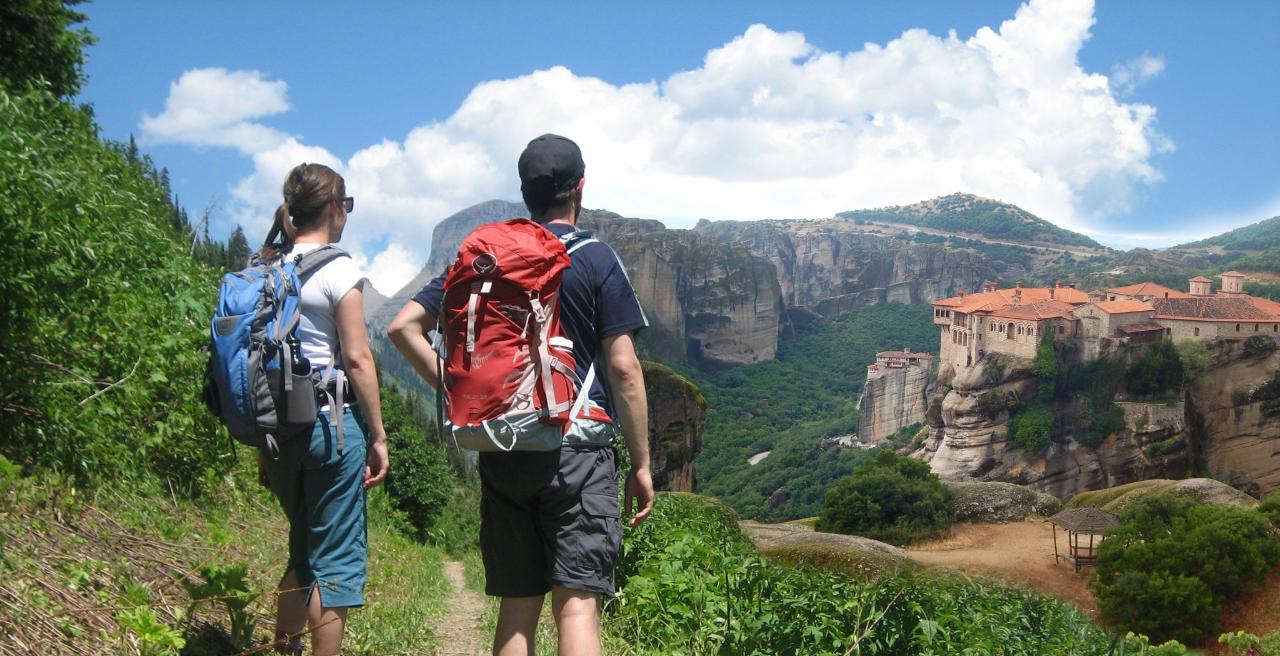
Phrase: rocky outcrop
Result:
[993,501]
[677,418]
[832,266]
[1200,490]
[798,544]
[1227,428]
[706,301]
[969,439]
[892,399]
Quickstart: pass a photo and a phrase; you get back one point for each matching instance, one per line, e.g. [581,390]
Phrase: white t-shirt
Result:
[318,327]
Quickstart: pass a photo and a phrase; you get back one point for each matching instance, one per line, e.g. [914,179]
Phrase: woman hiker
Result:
[320,479]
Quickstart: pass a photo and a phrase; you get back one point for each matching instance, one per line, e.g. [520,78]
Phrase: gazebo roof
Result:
[1089,521]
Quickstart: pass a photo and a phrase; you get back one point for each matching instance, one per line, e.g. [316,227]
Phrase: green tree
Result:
[1048,366]
[1031,429]
[37,43]
[1158,370]
[888,498]
[1170,565]
[1195,358]
[421,482]
[237,250]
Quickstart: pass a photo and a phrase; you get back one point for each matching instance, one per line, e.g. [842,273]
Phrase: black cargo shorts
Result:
[549,518]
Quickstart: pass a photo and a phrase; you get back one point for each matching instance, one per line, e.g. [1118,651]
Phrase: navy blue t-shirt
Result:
[596,301]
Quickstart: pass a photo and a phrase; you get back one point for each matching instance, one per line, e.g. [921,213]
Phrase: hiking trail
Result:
[459,630]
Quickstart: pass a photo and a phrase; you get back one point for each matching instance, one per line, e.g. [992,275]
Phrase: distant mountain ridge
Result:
[966,213]
[1260,236]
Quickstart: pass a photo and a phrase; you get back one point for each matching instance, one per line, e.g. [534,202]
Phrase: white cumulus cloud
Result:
[215,107]
[1127,77]
[768,125]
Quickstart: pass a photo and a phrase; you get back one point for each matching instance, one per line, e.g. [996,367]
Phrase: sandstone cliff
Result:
[1227,428]
[892,399]
[832,265]
[706,301]
[677,418]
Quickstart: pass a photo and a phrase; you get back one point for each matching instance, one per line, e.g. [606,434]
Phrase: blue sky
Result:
[1138,122]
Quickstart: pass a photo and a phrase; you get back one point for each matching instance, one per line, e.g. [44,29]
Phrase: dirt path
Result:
[1019,552]
[459,630]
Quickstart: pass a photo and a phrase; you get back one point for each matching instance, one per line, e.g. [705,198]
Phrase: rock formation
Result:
[1227,428]
[832,266]
[677,417]
[896,395]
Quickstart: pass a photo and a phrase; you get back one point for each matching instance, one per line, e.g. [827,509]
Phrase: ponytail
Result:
[307,190]
[283,228]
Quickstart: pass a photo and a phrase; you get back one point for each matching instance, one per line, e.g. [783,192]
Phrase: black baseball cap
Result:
[549,165]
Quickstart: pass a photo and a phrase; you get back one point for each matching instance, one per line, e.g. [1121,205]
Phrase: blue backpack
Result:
[258,382]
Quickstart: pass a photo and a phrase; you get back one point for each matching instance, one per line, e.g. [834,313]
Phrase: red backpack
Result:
[510,380]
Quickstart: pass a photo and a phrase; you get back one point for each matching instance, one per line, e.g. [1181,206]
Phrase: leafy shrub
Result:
[888,498]
[1170,565]
[1101,423]
[1195,357]
[420,481]
[104,323]
[1031,429]
[1158,370]
[1247,644]
[1270,508]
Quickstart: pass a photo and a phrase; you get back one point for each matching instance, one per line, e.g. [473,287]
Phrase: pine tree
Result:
[237,250]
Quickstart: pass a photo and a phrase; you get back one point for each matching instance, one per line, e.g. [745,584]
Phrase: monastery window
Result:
[1275,327]
[1060,331]
[1255,327]
[1168,332]
[1237,327]
[1197,332]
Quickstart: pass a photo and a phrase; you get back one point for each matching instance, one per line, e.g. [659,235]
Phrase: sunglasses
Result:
[348,203]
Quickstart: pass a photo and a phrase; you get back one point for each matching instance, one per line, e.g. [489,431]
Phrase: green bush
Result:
[1257,345]
[888,498]
[1270,508]
[1157,371]
[104,322]
[1170,565]
[420,482]
[1031,429]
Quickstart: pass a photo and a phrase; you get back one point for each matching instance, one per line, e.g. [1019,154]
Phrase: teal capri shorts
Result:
[321,491]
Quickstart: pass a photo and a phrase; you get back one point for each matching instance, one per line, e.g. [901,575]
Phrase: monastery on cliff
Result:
[1011,321]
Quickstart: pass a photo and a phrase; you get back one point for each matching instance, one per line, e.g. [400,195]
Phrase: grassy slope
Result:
[72,566]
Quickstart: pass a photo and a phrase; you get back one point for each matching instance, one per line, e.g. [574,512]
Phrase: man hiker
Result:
[549,519]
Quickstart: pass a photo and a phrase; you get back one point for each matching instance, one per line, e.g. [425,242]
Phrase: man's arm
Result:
[626,383]
[408,331]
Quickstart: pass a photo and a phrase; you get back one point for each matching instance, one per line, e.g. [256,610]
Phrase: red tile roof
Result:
[980,301]
[1211,308]
[1124,307]
[1200,279]
[1233,274]
[1041,310]
[1149,289]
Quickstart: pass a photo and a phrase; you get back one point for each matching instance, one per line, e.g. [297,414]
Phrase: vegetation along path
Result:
[459,630]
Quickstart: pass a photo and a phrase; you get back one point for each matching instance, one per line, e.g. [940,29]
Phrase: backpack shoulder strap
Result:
[310,262]
[577,239]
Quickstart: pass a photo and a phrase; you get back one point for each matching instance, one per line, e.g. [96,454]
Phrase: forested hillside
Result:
[965,213]
[1259,236]
[788,405]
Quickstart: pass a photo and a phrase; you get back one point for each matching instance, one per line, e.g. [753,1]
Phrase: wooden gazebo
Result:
[1077,522]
